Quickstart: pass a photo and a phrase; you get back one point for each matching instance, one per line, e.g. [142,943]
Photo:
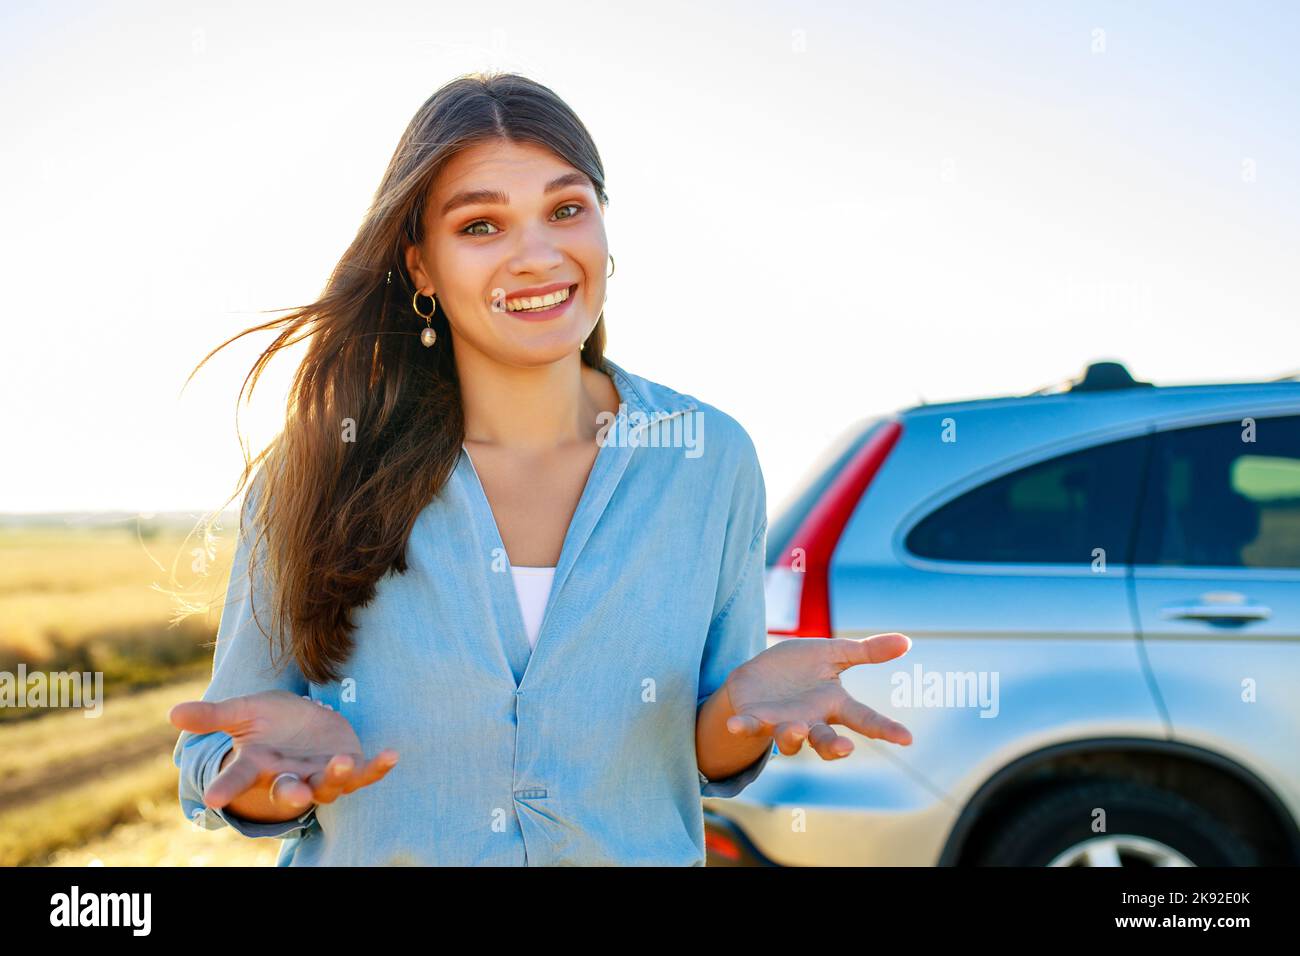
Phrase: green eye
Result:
[483,222]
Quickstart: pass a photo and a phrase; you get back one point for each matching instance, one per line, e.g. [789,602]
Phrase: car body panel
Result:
[954,749]
[1075,651]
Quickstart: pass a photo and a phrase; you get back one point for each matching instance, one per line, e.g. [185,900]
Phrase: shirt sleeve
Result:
[241,664]
[739,628]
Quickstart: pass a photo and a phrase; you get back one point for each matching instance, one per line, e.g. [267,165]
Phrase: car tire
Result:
[1045,828]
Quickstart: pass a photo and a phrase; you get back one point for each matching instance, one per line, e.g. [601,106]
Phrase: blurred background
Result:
[819,214]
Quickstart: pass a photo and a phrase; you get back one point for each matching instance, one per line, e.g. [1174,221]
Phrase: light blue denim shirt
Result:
[580,751]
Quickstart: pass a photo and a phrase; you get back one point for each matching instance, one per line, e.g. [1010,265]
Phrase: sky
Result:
[819,212]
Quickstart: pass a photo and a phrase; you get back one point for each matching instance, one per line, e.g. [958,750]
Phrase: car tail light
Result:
[798,582]
[721,845]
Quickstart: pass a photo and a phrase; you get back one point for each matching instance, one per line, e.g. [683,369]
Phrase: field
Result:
[75,789]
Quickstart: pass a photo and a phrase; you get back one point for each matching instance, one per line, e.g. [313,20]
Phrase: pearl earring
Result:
[428,335]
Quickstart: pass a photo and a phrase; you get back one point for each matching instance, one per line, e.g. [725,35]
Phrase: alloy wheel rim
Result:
[1120,850]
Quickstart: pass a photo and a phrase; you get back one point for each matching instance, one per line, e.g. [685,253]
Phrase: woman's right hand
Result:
[277,731]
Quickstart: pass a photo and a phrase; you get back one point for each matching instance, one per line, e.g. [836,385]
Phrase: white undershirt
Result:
[533,588]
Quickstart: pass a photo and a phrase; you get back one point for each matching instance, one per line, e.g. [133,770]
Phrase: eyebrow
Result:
[476,197]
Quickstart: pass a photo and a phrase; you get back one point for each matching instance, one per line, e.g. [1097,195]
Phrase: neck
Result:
[535,408]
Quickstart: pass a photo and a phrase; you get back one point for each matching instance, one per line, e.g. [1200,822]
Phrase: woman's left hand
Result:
[792,692]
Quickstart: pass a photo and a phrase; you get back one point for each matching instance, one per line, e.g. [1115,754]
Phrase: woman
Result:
[536,576]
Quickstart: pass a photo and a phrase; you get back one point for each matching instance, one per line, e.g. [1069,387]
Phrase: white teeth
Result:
[537,301]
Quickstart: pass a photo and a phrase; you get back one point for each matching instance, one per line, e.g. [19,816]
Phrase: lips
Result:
[538,291]
[552,312]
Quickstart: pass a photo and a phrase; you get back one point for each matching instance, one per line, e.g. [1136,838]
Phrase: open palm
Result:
[275,732]
[792,692]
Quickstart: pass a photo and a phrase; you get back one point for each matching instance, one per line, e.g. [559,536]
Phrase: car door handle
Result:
[1218,612]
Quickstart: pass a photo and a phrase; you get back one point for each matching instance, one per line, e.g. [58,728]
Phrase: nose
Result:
[535,252]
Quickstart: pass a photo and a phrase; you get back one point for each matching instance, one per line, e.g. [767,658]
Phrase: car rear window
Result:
[1057,511]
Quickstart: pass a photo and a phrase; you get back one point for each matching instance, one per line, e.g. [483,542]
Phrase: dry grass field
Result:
[77,789]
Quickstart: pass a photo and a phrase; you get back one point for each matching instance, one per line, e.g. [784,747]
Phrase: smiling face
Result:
[509,218]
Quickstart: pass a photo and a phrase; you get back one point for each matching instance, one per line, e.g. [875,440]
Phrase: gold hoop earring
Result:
[427,334]
[611,267]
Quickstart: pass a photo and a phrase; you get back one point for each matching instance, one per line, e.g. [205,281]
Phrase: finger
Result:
[875,649]
[294,794]
[257,766]
[828,744]
[327,784]
[207,716]
[747,725]
[239,775]
[342,776]
[373,772]
[790,735]
[858,716]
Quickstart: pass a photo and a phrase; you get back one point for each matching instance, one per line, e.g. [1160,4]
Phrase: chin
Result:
[537,354]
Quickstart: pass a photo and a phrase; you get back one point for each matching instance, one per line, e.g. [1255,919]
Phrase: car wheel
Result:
[1145,827]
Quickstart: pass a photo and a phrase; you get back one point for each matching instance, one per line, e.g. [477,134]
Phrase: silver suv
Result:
[1102,586]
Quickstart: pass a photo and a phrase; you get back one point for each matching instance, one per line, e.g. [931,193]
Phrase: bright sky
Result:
[819,212]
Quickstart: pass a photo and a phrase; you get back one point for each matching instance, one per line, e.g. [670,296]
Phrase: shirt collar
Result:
[652,400]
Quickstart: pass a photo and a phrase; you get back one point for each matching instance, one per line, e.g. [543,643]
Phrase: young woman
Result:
[535,575]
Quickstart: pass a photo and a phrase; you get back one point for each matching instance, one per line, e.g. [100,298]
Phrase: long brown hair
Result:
[335,512]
